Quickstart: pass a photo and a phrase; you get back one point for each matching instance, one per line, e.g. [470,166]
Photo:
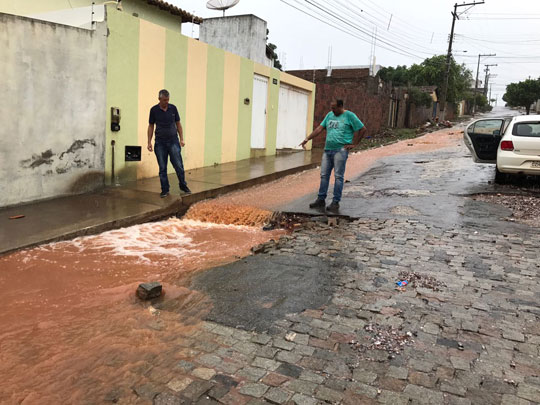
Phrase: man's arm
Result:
[150,134]
[180,133]
[314,134]
[357,138]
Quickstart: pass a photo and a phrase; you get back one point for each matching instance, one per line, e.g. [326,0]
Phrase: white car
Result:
[513,143]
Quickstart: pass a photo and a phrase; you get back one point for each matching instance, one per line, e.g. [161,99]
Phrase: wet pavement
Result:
[315,317]
[137,202]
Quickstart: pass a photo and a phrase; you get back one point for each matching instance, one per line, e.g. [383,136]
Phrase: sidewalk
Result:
[138,201]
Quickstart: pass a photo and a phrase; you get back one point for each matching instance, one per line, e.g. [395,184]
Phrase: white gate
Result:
[292,117]
[258,120]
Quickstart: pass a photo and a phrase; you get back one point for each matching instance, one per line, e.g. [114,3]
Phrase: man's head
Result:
[163,98]
[337,107]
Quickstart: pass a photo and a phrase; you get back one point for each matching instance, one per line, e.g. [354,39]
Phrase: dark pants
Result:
[165,149]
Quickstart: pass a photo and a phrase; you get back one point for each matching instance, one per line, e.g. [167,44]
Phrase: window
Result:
[531,129]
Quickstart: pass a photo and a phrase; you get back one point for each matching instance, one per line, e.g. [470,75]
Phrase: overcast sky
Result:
[407,32]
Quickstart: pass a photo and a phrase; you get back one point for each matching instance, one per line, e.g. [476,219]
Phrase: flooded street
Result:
[76,331]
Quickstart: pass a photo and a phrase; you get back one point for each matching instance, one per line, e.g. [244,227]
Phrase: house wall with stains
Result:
[53,93]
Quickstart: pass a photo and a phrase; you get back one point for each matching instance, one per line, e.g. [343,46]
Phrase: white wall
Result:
[53,93]
[243,35]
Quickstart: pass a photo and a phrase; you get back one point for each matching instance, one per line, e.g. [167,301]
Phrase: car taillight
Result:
[507,145]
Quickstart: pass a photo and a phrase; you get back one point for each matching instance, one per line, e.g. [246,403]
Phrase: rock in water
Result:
[147,291]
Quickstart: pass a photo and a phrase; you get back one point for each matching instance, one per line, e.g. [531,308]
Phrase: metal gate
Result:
[258,120]
[292,117]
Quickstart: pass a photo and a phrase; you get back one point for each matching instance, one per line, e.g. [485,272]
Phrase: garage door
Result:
[258,120]
[292,117]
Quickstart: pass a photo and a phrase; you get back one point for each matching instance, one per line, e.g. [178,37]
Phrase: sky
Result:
[407,32]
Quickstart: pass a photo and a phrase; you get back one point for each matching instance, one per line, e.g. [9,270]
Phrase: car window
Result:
[507,122]
[487,127]
[531,129]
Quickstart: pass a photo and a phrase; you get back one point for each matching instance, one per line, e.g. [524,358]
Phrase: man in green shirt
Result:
[340,125]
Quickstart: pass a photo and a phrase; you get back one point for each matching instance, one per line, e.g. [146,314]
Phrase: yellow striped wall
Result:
[207,85]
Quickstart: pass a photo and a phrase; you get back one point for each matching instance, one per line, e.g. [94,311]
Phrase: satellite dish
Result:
[221,5]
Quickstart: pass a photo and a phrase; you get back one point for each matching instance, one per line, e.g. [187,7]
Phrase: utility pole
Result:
[455,17]
[487,78]
[476,82]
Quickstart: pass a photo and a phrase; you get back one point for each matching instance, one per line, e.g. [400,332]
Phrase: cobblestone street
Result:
[465,330]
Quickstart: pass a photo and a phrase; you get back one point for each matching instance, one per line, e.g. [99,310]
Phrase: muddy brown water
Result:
[74,331]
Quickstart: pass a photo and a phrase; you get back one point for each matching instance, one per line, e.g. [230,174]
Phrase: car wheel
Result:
[500,177]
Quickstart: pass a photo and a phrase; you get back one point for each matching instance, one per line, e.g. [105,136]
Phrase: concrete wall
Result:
[52,111]
[208,86]
[243,35]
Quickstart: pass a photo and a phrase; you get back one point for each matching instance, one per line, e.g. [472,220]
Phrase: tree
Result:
[523,94]
[431,73]
[277,63]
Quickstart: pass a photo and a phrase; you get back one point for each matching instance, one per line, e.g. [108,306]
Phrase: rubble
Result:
[385,338]
[421,280]
[148,291]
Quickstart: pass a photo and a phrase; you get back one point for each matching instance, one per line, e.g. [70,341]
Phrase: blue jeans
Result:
[333,159]
[165,149]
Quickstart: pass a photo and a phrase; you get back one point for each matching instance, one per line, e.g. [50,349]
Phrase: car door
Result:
[482,137]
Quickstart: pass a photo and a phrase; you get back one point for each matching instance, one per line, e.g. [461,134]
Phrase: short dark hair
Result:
[163,93]
[339,102]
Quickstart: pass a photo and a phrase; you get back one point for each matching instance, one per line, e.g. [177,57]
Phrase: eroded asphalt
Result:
[317,317]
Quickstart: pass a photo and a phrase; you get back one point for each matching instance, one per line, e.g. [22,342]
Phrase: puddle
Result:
[73,329]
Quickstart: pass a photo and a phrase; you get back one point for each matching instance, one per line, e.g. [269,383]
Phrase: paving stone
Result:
[196,389]
[513,335]
[283,344]
[514,400]
[391,384]
[253,389]
[328,395]
[179,384]
[364,376]
[267,364]
[204,373]
[453,388]
[210,360]
[246,347]
[400,373]
[421,365]
[166,398]
[423,379]
[300,399]
[289,370]
[288,357]
[277,396]
[310,376]
[267,352]
[529,392]
[274,379]
[364,389]
[392,398]
[304,350]
[423,395]
[261,339]
[252,374]
[301,386]
[460,363]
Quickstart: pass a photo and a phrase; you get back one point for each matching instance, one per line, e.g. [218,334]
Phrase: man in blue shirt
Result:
[165,118]
[340,125]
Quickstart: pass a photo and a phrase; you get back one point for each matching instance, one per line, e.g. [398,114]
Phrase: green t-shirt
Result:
[340,129]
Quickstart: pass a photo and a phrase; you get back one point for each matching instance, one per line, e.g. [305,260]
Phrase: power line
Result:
[348,32]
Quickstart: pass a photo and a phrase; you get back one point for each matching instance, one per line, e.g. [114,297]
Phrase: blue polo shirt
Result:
[165,121]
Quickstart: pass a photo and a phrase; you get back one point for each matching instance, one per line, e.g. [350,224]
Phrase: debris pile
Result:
[383,337]
[421,280]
